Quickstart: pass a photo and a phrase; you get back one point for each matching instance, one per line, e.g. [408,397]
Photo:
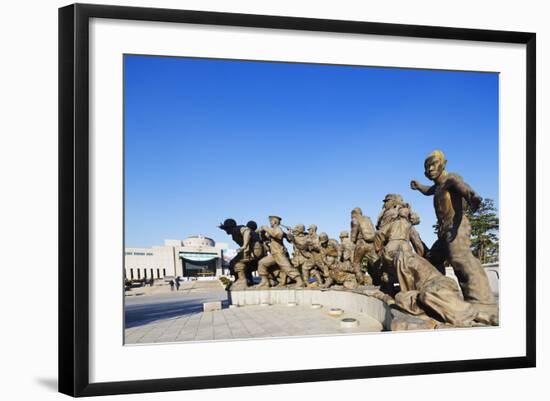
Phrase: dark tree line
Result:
[485,224]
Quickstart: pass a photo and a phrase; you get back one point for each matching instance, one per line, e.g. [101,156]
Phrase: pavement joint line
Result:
[227,323]
[146,332]
[183,325]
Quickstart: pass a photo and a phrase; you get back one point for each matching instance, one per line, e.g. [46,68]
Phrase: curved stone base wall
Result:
[349,301]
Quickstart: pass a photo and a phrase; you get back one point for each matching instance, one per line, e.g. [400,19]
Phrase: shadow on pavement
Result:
[141,314]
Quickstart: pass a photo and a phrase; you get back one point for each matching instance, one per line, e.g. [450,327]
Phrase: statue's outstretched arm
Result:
[427,190]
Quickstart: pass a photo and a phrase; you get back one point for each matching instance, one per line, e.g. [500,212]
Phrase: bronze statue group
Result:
[391,256]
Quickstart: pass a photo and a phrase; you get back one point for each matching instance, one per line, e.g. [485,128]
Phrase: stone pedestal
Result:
[211,306]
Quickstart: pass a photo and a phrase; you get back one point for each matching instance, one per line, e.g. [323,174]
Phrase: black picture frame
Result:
[74,198]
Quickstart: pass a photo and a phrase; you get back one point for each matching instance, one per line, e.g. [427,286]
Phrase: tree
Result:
[485,224]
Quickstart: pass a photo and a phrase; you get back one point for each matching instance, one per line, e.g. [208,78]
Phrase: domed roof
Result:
[198,241]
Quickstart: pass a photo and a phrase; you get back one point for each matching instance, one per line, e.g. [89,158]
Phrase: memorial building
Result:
[197,257]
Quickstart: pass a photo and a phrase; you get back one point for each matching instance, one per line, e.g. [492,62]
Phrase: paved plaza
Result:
[177,316]
[148,305]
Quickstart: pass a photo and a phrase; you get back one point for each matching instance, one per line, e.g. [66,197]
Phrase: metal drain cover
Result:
[335,312]
[349,323]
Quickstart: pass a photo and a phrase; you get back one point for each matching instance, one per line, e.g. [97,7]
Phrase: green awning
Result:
[198,258]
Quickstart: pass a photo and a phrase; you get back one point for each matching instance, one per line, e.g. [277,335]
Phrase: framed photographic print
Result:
[277,199]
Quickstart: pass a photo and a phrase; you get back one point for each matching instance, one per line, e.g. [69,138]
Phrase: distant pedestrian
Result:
[177,284]
[171,285]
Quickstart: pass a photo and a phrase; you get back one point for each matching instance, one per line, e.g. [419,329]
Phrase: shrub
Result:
[226,282]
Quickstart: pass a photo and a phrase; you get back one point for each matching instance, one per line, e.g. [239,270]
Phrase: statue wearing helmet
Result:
[300,241]
[246,260]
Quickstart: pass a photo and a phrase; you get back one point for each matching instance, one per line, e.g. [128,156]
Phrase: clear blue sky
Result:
[210,139]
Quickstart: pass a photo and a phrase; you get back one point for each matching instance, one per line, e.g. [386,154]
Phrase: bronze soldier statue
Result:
[398,236]
[257,251]
[338,271]
[278,255]
[389,208]
[362,235]
[240,264]
[298,238]
[451,194]
[312,232]
[315,266]
[382,275]
[303,258]
[392,204]
[326,245]
[345,249]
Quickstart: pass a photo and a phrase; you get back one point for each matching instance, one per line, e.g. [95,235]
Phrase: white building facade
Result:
[197,257]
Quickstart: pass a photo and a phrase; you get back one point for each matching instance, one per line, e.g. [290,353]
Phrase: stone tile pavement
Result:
[254,321]
[157,307]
